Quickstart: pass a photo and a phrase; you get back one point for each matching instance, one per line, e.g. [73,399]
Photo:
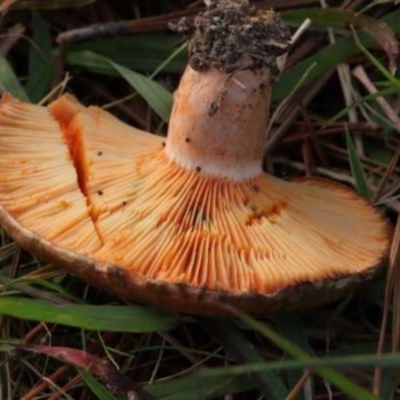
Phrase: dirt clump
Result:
[232,35]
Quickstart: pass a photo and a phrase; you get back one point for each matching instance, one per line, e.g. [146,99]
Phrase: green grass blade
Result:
[198,388]
[340,381]
[328,58]
[97,389]
[154,49]
[164,64]
[337,17]
[291,327]
[384,71]
[356,168]
[48,286]
[41,68]
[159,98]
[99,318]
[235,343]
[42,40]
[343,361]
[9,81]
[382,93]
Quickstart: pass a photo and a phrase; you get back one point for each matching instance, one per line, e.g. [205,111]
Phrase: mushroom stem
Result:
[219,121]
[220,116]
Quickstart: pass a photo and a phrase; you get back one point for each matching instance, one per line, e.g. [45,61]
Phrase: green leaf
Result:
[99,318]
[356,168]
[41,68]
[9,81]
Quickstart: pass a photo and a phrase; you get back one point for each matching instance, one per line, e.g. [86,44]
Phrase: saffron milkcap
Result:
[192,222]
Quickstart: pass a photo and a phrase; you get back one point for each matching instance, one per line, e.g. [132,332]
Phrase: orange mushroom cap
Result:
[190,223]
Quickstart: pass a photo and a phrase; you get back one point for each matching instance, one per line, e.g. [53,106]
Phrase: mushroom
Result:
[192,222]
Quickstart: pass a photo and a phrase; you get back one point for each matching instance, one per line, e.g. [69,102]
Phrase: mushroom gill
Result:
[38,182]
[144,213]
